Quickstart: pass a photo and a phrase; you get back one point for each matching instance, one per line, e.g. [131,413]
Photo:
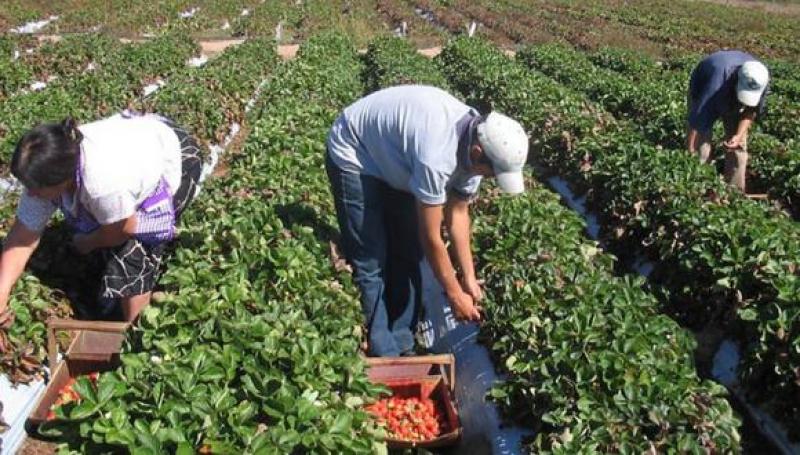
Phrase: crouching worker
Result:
[121,184]
[403,162]
[731,85]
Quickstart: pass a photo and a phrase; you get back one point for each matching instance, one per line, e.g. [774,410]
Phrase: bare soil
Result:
[288,51]
[216,46]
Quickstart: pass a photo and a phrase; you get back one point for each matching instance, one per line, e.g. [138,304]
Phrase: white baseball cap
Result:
[505,143]
[753,79]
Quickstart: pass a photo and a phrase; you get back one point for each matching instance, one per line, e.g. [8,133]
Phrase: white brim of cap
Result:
[749,97]
[511,182]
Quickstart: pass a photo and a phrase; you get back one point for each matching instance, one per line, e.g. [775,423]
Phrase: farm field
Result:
[254,340]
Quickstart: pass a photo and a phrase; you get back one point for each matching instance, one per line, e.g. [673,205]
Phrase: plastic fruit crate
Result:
[421,377]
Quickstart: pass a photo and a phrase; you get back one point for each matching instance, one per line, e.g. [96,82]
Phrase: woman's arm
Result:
[18,247]
[106,236]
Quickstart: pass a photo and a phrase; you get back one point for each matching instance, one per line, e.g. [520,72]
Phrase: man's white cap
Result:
[506,145]
[753,79]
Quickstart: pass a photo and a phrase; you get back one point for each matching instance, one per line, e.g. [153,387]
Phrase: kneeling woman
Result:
[121,183]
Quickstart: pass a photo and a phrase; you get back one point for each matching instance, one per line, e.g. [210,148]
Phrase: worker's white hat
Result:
[506,145]
[753,79]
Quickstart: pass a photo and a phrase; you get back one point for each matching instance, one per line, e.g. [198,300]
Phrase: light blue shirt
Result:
[413,137]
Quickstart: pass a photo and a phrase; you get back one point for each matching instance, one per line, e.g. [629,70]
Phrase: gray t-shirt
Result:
[413,137]
[712,88]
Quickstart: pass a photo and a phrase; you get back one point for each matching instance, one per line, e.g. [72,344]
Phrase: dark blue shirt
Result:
[712,89]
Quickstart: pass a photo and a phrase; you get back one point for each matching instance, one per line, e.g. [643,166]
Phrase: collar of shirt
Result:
[465,128]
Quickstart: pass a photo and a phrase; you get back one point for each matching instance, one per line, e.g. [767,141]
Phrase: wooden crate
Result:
[422,377]
[95,347]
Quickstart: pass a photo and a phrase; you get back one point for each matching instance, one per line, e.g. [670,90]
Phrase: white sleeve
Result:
[34,212]
[110,208]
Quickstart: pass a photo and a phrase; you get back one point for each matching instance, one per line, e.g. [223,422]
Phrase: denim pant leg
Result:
[404,275]
[359,209]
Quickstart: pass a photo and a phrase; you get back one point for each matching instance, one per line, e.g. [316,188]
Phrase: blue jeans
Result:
[379,238]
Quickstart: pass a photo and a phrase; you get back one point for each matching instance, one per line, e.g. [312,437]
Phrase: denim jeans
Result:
[379,237]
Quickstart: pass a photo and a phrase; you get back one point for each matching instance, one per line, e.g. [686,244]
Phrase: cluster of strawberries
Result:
[67,394]
[409,419]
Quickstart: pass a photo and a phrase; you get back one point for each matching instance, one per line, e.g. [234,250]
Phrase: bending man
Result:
[730,85]
[403,162]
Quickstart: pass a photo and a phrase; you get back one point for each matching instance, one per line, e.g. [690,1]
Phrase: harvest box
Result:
[421,377]
[95,347]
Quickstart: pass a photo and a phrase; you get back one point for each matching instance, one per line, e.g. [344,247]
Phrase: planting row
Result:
[287,19]
[117,16]
[589,362]
[92,94]
[658,109]
[68,57]
[719,256]
[391,61]
[782,106]
[255,347]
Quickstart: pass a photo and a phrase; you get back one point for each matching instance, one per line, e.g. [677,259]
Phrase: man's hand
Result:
[82,243]
[734,143]
[464,307]
[473,288]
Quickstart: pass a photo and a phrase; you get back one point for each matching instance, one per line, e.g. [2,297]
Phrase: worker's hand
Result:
[82,244]
[473,288]
[734,143]
[464,307]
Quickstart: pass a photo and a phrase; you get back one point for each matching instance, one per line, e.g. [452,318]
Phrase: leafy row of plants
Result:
[265,17]
[67,57]
[117,16]
[780,121]
[96,93]
[720,257]
[255,347]
[590,364]
[681,26]
[658,109]
[392,61]
[213,97]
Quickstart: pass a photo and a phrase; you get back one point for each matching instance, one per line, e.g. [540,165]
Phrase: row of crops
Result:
[654,101]
[255,346]
[284,20]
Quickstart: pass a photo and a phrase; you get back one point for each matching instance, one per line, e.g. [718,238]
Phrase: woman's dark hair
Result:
[47,155]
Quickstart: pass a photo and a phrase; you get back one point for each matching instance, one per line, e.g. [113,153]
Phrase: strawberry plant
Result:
[214,96]
[393,61]
[95,93]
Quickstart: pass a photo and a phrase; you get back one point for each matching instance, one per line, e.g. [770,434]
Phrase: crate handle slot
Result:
[445,361]
[71,325]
